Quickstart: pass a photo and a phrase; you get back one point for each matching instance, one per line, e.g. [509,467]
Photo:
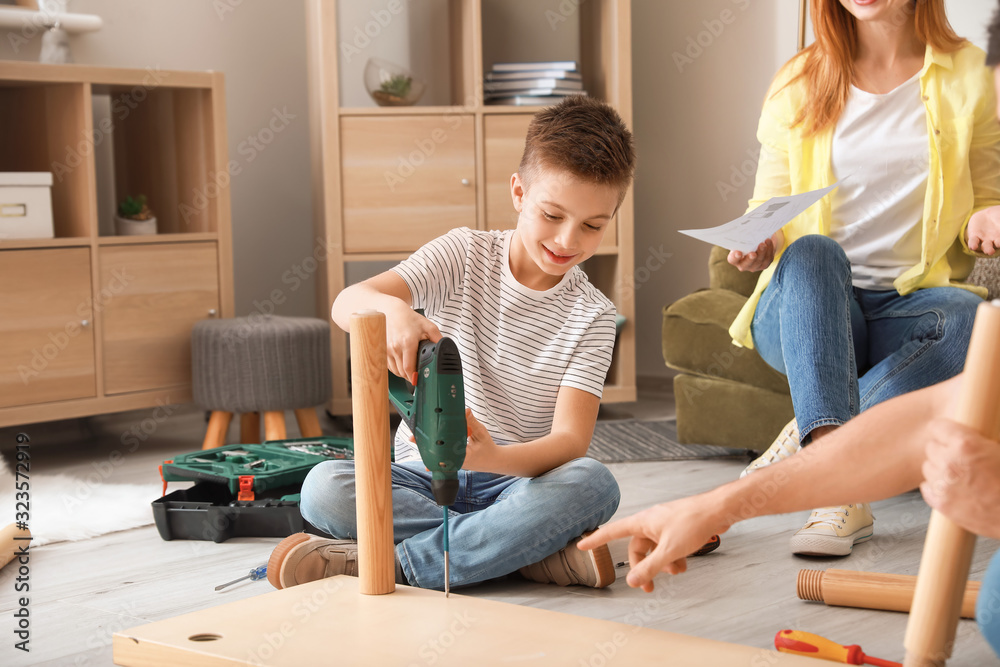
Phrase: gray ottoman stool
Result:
[260,364]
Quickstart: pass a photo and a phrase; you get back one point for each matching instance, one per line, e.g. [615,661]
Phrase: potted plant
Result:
[134,217]
[391,85]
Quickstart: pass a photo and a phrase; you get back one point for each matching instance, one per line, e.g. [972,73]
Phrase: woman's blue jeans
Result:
[988,605]
[845,349]
[497,525]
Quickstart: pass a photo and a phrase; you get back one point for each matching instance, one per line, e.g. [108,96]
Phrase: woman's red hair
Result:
[828,63]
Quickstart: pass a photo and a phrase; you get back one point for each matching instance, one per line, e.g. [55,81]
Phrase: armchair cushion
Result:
[696,340]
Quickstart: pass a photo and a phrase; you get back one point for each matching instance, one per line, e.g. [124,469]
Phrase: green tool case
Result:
[242,490]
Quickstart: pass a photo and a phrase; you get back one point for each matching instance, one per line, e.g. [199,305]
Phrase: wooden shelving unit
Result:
[90,323]
[369,205]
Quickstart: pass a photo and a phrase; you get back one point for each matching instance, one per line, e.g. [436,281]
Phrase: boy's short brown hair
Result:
[583,136]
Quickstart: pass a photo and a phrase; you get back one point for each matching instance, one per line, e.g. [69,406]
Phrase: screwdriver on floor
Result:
[814,646]
[259,572]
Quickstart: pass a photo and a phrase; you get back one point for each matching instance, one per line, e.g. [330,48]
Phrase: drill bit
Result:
[447,578]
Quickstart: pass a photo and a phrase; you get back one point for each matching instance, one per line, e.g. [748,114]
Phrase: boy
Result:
[535,339]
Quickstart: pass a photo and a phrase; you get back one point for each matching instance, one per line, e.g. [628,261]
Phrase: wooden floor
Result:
[82,592]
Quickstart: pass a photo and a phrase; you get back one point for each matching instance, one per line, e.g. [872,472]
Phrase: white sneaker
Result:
[833,531]
[786,444]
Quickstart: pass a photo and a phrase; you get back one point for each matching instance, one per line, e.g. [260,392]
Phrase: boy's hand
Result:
[405,328]
[662,537]
[983,232]
[962,477]
[480,451]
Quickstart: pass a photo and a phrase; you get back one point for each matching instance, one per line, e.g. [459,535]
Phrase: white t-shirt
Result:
[518,345]
[881,153]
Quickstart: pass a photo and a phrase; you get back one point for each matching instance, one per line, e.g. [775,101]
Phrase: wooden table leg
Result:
[250,428]
[308,422]
[947,556]
[218,426]
[274,425]
[373,476]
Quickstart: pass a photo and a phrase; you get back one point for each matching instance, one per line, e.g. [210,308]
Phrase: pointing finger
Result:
[608,532]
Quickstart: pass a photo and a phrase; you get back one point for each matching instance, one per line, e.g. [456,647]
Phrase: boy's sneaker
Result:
[569,565]
[786,444]
[833,531]
[301,558]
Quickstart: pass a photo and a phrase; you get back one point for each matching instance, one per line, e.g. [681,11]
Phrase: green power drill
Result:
[434,410]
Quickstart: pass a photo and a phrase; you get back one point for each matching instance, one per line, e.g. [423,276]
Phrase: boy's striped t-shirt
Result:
[518,345]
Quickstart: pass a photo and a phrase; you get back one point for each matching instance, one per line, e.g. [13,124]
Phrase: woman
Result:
[861,297]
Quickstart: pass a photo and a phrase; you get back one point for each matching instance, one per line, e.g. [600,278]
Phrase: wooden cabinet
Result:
[46,326]
[388,179]
[162,290]
[406,180]
[503,139]
[90,322]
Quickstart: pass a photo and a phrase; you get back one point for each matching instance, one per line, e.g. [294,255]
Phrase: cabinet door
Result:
[168,287]
[503,146]
[46,335]
[406,180]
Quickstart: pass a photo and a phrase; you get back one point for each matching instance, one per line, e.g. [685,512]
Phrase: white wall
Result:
[970,18]
[700,71]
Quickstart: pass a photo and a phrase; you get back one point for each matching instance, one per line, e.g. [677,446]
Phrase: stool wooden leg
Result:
[250,428]
[308,422]
[274,425]
[218,426]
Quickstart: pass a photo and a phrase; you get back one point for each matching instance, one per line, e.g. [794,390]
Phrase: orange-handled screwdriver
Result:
[814,646]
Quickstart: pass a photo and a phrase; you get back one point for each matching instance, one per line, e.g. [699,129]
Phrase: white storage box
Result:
[26,205]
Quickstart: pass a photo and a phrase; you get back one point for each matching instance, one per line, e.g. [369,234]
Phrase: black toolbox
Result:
[242,490]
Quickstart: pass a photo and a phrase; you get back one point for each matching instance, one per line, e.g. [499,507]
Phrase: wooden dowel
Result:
[373,476]
[947,555]
[870,590]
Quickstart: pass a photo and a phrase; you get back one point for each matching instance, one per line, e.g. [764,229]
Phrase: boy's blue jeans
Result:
[845,349]
[497,525]
[988,605]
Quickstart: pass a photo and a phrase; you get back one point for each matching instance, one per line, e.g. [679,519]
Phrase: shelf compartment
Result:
[586,32]
[162,146]
[431,38]
[45,128]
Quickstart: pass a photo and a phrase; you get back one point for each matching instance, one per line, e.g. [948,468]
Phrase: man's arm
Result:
[876,455]
[572,428]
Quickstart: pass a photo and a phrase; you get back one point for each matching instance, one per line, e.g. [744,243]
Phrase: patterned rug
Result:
[630,440]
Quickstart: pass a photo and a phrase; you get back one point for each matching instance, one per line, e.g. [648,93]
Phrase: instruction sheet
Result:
[748,231]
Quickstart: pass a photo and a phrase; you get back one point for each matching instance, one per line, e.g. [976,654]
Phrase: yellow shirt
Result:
[964,169]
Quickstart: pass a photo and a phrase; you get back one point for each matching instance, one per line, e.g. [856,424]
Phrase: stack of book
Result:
[532,83]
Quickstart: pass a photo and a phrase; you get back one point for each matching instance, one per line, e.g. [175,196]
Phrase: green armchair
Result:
[726,395]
